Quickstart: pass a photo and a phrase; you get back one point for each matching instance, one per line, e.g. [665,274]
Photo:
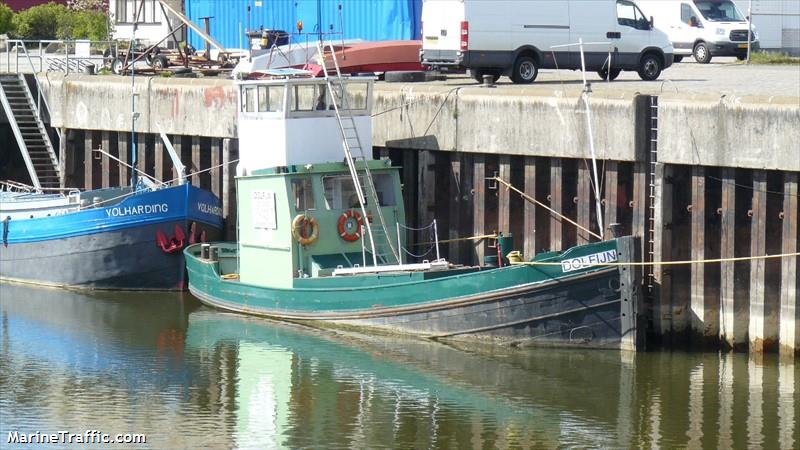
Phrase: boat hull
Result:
[114,247]
[520,305]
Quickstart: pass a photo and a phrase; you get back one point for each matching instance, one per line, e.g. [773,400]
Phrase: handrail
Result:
[39,97]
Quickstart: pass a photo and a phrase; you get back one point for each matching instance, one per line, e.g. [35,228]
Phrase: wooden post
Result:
[456,187]
[141,150]
[556,186]
[479,205]
[62,158]
[158,159]
[106,168]
[504,198]
[529,249]
[410,196]
[789,336]
[124,152]
[639,205]
[196,161]
[697,290]
[758,247]
[427,188]
[228,189]
[215,173]
[584,205]
[88,160]
[611,193]
[177,145]
[727,312]
[465,212]
[662,275]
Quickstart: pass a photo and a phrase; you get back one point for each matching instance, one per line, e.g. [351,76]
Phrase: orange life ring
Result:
[299,226]
[350,224]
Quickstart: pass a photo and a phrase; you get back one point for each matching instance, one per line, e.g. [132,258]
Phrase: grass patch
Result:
[773,58]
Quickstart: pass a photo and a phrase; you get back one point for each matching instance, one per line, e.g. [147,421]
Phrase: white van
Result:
[703,28]
[516,37]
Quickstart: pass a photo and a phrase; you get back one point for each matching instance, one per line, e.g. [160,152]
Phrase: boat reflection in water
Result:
[191,377]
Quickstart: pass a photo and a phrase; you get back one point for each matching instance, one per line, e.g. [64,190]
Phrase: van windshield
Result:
[719,10]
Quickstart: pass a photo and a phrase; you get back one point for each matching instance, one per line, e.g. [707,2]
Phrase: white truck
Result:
[516,38]
[702,28]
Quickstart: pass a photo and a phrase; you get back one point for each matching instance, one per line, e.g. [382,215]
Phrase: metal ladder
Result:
[29,130]
[651,208]
[351,142]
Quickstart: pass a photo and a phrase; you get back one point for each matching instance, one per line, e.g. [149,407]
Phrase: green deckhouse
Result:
[320,239]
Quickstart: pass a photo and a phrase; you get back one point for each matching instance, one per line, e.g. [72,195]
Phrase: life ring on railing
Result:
[299,226]
[350,223]
[173,244]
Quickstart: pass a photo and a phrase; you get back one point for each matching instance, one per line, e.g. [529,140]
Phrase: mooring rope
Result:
[537,202]
[662,263]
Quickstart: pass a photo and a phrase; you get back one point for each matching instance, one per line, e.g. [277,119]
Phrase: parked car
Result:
[516,38]
[702,28]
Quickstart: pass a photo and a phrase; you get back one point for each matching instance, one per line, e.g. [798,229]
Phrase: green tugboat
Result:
[321,241]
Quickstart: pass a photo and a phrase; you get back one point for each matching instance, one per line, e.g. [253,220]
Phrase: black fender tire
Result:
[605,75]
[677,58]
[701,53]
[525,70]
[741,57]
[650,67]
[478,74]
[404,76]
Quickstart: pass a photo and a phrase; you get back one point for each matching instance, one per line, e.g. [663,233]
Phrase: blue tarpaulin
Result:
[372,20]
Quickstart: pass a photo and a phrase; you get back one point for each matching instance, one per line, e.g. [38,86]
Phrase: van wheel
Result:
[701,53]
[605,75]
[741,57]
[650,67]
[677,58]
[478,74]
[525,70]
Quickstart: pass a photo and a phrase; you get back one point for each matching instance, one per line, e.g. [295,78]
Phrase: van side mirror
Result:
[652,22]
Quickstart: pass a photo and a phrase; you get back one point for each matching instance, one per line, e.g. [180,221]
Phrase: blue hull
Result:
[114,247]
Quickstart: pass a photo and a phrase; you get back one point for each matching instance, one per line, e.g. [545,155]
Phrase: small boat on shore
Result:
[320,241]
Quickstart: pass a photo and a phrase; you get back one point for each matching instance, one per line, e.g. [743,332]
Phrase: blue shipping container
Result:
[371,20]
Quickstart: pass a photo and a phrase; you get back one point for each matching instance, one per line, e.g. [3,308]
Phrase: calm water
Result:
[191,377]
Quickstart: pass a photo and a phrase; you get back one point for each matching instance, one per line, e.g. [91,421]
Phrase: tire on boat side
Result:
[405,76]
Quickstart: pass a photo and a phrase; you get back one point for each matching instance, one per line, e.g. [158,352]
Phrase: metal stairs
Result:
[29,130]
[379,239]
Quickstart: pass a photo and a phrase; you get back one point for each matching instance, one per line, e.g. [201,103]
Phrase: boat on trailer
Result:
[321,241]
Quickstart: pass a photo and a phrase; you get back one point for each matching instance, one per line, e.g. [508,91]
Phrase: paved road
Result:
[724,76]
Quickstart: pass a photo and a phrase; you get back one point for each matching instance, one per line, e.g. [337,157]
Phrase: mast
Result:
[587,89]
[134,114]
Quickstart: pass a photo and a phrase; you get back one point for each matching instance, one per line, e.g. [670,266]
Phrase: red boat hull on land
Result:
[382,56]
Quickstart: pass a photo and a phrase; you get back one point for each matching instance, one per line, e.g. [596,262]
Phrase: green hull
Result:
[522,304]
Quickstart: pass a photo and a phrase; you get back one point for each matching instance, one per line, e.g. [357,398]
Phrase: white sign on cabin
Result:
[263,210]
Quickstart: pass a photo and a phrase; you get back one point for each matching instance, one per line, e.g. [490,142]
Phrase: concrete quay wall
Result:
[744,132]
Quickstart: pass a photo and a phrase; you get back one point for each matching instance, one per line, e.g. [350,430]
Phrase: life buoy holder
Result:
[350,223]
[300,225]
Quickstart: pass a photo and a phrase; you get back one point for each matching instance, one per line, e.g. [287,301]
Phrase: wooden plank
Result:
[584,204]
[410,196]
[196,161]
[215,172]
[639,206]
[228,187]
[106,161]
[62,158]
[177,145]
[662,275]
[504,197]
[124,157]
[697,289]
[789,334]
[556,188]
[141,153]
[727,241]
[88,160]
[758,247]
[611,213]
[465,212]
[455,205]
[479,205]
[158,159]
[529,248]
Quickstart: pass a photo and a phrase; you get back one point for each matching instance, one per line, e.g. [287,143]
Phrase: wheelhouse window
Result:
[356,95]
[270,98]
[630,15]
[303,194]
[249,99]
[340,193]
